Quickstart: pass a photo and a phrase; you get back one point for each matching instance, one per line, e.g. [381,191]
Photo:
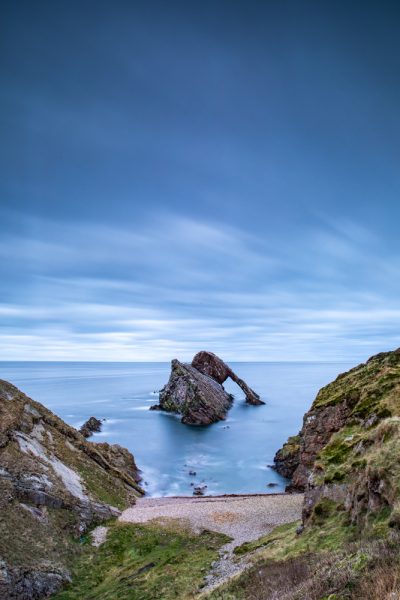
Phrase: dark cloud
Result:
[178,175]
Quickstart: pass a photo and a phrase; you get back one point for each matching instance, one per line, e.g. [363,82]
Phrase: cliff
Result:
[53,486]
[348,449]
[346,460]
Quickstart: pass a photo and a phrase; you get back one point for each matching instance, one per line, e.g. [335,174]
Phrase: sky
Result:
[178,176]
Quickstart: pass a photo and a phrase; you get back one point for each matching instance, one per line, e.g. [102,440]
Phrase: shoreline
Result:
[242,517]
[249,495]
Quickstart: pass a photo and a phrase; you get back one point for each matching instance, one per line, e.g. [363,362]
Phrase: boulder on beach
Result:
[195,390]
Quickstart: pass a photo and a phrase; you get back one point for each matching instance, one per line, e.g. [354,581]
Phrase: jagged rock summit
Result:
[210,364]
[196,392]
[53,485]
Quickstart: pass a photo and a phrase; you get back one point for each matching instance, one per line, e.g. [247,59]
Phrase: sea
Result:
[229,457]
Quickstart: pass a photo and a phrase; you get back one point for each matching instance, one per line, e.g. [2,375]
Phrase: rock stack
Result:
[195,390]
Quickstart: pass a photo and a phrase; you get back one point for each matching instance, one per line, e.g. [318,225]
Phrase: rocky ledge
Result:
[195,390]
[53,486]
[348,450]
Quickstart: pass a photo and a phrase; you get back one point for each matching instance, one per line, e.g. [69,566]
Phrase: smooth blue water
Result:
[230,456]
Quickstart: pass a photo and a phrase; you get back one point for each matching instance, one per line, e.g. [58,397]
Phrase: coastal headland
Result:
[75,524]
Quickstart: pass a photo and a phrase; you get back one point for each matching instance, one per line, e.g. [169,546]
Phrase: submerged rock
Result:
[92,425]
[53,486]
[196,392]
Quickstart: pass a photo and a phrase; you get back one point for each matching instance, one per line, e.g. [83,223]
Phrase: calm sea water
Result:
[229,457]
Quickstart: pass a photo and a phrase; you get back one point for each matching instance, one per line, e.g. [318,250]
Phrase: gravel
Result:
[243,518]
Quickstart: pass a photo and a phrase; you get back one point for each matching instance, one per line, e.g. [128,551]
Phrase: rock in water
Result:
[53,486]
[197,397]
[92,425]
[199,490]
[210,364]
[196,392]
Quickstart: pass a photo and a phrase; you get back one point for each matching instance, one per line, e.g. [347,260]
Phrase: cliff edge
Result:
[348,450]
[53,486]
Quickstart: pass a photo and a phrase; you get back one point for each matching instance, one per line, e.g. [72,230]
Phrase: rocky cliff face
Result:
[53,485]
[196,392]
[348,450]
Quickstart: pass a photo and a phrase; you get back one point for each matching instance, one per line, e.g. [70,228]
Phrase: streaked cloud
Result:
[170,288]
[192,177]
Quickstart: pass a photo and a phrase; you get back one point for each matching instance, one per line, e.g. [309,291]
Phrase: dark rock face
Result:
[210,364]
[196,392]
[297,456]
[53,486]
[197,397]
[17,584]
[120,458]
[287,459]
[92,425]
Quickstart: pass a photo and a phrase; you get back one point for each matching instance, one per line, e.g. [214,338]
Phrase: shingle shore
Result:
[243,518]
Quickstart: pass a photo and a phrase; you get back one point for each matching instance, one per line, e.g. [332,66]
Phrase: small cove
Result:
[230,457]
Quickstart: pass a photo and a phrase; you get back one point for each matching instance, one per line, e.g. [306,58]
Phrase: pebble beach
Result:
[243,518]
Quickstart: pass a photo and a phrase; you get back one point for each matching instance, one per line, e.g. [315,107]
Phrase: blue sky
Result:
[183,176]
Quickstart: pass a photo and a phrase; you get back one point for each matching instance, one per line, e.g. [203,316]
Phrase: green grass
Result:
[291,446]
[102,485]
[144,562]
[369,388]
[283,547]
[329,530]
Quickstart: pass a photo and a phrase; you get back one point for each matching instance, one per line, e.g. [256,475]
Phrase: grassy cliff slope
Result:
[53,486]
[346,459]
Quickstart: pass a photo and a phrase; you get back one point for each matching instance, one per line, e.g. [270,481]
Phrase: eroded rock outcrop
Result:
[348,450]
[210,364]
[196,392]
[92,425]
[197,397]
[53,485]
[120,458]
